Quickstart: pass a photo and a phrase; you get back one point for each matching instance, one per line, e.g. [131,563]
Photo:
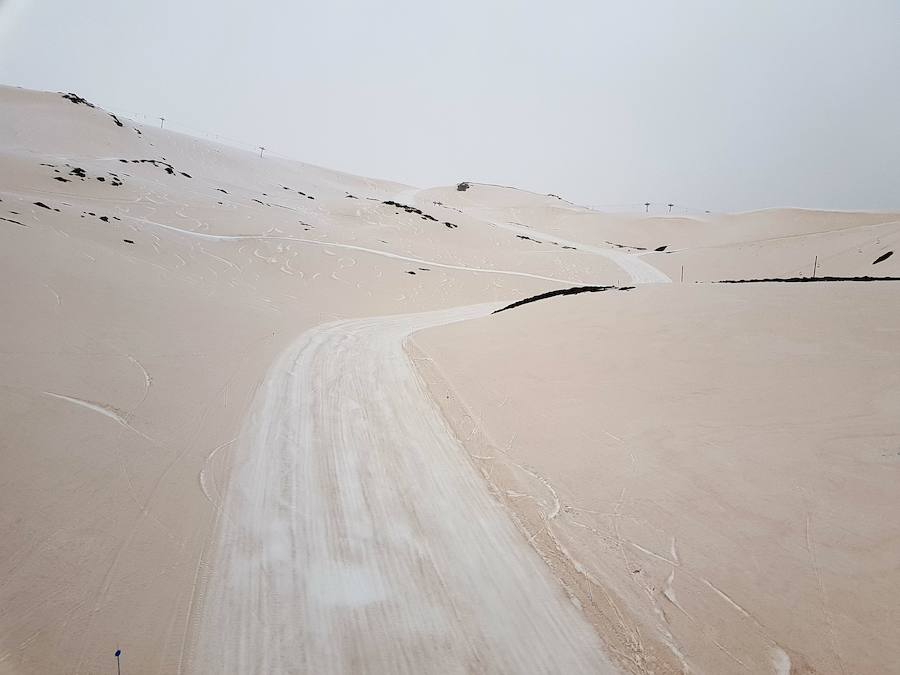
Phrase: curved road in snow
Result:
[356,537]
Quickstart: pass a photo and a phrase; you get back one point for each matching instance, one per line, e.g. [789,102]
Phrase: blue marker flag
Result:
[118,653]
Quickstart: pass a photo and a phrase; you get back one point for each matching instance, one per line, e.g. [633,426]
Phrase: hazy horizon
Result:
[734,109]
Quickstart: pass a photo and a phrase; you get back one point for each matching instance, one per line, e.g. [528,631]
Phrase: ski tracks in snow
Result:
[358,537]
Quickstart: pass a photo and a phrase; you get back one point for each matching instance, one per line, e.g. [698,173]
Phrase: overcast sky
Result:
[724,105]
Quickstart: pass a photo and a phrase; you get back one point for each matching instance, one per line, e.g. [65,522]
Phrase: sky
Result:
[724,105]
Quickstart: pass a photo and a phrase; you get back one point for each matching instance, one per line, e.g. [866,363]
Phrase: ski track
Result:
[639,271]
[358,538]
[105,410]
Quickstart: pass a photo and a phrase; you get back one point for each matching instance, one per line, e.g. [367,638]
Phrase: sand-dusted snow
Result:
[140,315]
[216,453]
[712,470]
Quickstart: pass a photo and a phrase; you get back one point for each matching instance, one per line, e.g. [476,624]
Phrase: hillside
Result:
[222,450]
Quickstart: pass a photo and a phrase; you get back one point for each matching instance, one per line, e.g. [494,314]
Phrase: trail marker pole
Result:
[815,265]
[682,274]
[261,150]
[118,663]
[162,121]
